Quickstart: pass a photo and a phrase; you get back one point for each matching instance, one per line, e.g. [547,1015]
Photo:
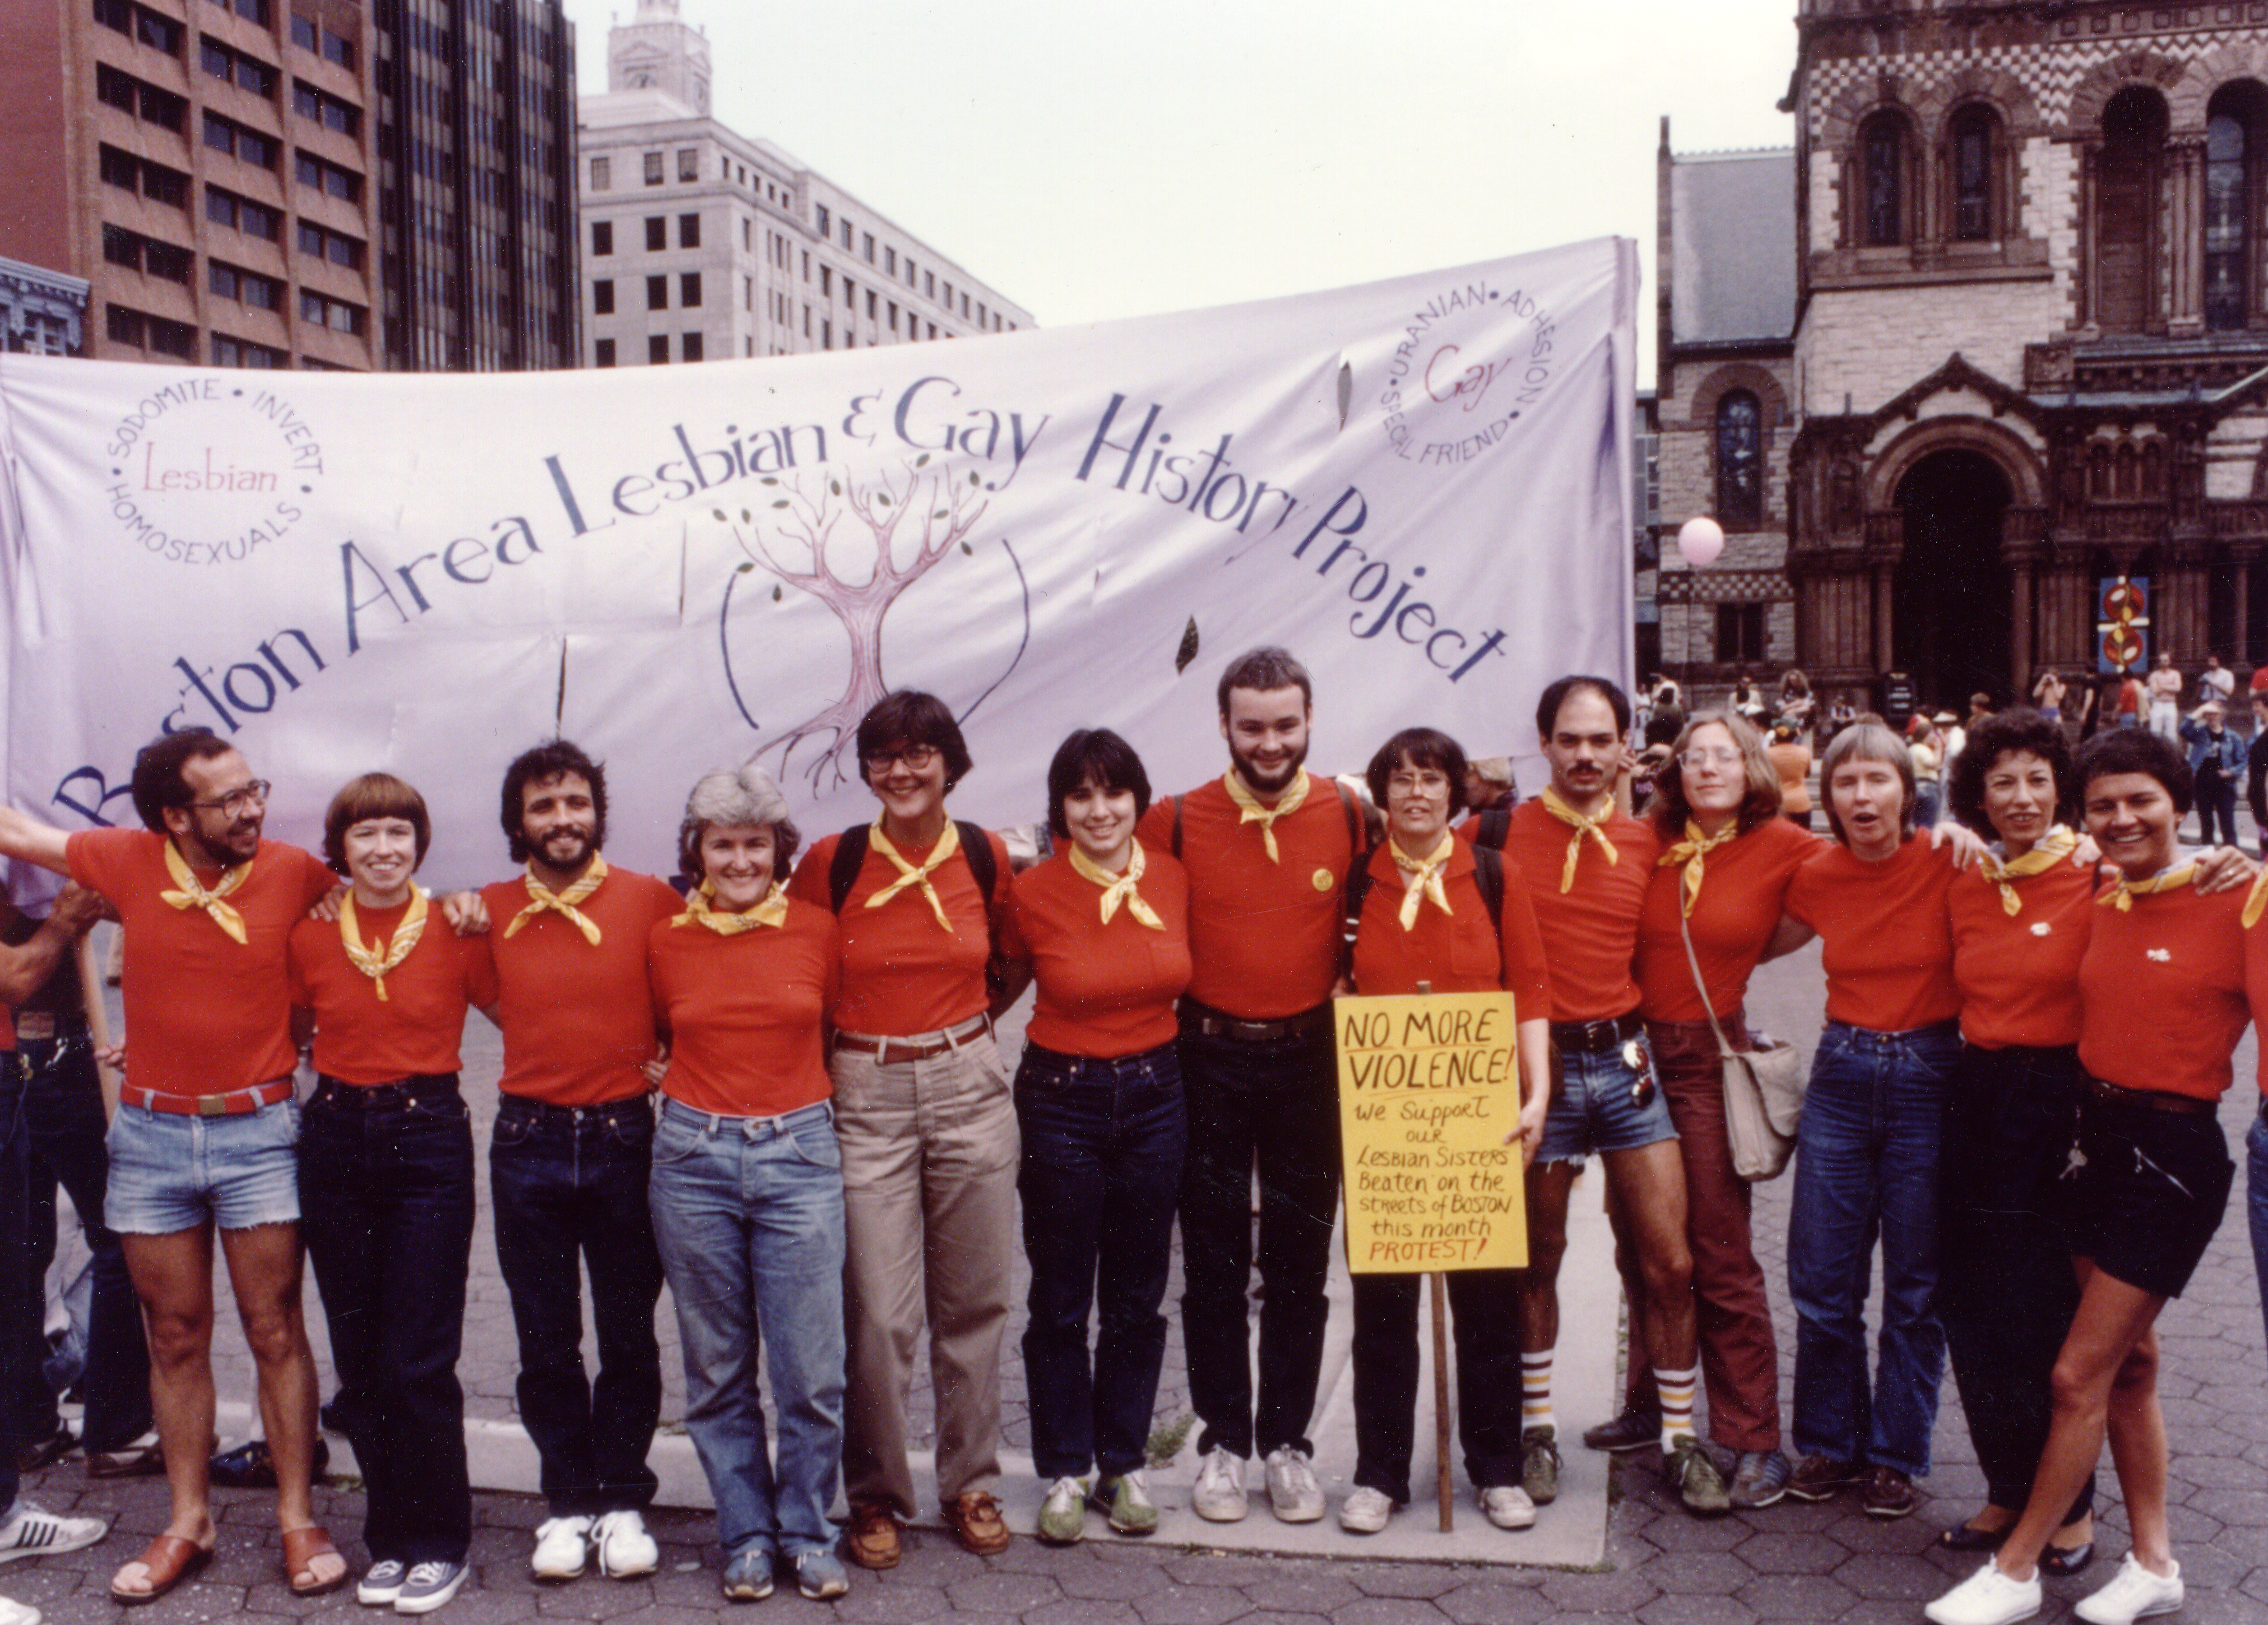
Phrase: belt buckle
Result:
[35,1025]
[212,1105]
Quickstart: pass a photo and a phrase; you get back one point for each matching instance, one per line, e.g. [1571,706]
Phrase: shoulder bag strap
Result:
[1685,930]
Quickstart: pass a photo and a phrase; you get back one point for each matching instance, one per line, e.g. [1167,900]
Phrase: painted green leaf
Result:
[743,569]
[884,501]
[940,514]
[835,486]
[768,480]
[744,517]
[776,595]
[972,477]
[719,513]
[922,462]
[968,550]
[1188,652]
[781,502]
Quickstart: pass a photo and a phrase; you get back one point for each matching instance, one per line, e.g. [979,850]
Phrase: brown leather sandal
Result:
[168,1561]
[301,1548]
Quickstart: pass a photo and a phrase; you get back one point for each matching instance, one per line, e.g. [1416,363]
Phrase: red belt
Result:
[236,1103]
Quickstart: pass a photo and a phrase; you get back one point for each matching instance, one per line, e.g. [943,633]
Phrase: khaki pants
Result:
[930,1153]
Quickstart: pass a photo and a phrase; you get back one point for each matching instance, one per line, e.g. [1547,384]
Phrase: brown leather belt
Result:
[236,1103]
[1597,1037]
[1220,1024]
[2152,1100]
[925,1046]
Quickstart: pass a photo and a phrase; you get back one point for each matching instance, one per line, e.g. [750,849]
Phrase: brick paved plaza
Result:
[1791,1562]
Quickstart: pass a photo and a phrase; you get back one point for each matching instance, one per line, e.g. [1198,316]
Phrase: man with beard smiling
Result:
[569,1156]
[1255,1053]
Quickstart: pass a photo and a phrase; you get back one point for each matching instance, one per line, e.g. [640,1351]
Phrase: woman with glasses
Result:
[1104,926]
[1727,859]
[1425,925]
[927,1125]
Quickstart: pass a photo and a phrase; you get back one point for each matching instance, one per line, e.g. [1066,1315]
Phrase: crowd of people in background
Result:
[772,1083]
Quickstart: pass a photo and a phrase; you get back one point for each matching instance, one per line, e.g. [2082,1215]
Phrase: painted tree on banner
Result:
[935,511]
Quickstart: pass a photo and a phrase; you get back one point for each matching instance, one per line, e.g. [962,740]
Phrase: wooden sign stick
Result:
[1441,1402]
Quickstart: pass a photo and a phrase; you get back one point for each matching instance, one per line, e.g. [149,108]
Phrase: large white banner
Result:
[1420,486]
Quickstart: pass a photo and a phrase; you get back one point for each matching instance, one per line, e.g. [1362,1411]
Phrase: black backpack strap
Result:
[1176,842]
[1488,875]
[1494,828]
[976,846]
[1352,895]
[843,874]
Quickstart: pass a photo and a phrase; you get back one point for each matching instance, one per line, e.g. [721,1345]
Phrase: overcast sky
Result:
[1093,161]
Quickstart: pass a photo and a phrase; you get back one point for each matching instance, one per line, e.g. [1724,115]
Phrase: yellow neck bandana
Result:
[1595,828]
[771,912]
[1119,889]
[908,875]
[2058,844]
[190,893]
[1689,852]
[375,962]
[543,899]
[1286,804]
[2257,901]
[2122,896]
[1428,882]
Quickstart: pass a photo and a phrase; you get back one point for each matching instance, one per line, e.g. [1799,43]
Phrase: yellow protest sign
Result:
[1429,1087]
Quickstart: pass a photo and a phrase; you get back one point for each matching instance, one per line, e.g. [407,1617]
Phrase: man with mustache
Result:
[569,1156]
[206,1128]
[1267,848]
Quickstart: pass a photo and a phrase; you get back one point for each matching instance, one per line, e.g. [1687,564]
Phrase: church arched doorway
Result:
[1950,596]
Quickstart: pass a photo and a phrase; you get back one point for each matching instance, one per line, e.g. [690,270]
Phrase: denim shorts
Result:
[1596,1107]
[170,1172]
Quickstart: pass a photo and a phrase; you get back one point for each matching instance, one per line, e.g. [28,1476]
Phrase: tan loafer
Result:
[975,1518]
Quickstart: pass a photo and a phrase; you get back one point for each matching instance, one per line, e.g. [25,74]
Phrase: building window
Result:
[2126,183]
[870,304]
[1972,175]
[826,335]
[1740,460]
[894,315]
[602,297]
[689,162]
[890,261]
[657,233]
[653,175]
[869,238]
[688,231]
[689,291]
[335,314]
[846,232]
[691,347]
[819,213]
[827,281]
[1882,150]
[1741,634]
[338,48]
[304,34]
[606,353]
[325,108]
[657,350]
[656,294]
[602,175]
[602,237]
[327,177]
[2233,124]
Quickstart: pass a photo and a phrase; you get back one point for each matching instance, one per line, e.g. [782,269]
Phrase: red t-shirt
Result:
[577,1016]
[205,1014]
[1885,939]
[747,1015]
[1263,936]
[1458,951]
[1104,990]
[1743,893]
[904,973]
[414,1030]
[2163,990]
[1590,929]
[2019,977]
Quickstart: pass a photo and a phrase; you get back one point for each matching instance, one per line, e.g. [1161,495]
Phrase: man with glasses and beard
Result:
[569,1156]
[1267,848]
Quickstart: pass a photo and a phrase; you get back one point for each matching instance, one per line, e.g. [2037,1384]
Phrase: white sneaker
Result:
[1219,1495]
[1366,1510]
[625,1550]
[1987,1598]
[34,1531]
[1507,1506]
[14,1613]
[382,1584]
[2133,1591]
[1063,1515]
[562,1546]
[1293,1491]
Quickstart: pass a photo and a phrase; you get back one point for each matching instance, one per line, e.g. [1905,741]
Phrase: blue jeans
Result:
[19,1307]
[748,1214]
[386,1204]
[62,1110]
[1276,1101]
[2255,1200]
[1866,1165]
[569,1189]
[1104,1142]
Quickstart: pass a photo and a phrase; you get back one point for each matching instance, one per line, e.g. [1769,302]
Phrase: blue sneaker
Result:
[820,1576]
[749,1577]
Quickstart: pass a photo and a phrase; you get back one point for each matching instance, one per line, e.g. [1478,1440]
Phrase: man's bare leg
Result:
[173,1276]
[264,1268]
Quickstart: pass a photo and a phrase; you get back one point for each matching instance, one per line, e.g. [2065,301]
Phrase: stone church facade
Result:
[2013,414]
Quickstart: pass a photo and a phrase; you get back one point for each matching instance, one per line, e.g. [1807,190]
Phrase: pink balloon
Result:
[1699,540]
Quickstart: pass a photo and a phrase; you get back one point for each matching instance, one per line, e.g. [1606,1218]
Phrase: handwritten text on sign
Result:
[1429,1087]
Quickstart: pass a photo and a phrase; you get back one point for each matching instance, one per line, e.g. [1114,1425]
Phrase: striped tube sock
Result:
[1536,1392]
[1676,1390]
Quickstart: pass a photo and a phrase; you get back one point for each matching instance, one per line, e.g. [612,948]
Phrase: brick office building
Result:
[2025,353]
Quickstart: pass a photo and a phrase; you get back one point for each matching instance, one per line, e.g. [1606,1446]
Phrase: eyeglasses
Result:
[1416,784]
[237,800]
[915,758]
[1718,755]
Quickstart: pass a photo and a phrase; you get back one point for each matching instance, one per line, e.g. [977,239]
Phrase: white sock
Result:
[1676,1390]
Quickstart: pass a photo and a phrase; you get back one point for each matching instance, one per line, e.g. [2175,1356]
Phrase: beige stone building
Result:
[2014,415]
[700,244]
